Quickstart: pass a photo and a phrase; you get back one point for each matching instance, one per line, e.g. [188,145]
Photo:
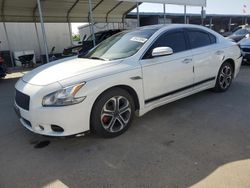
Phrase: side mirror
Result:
[162,51]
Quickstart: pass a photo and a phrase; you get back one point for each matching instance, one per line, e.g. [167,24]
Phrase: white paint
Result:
[23,37]
[159,75]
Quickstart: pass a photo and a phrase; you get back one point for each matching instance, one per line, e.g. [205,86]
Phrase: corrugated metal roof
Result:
[134,15]
[64,10]
[199,3]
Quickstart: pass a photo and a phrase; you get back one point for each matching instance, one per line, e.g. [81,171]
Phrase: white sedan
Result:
[130,73]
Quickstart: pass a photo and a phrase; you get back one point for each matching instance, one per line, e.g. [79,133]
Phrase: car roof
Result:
[172,26]
[165,27]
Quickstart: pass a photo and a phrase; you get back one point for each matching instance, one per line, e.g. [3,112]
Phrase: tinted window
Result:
[176,41]
[199,39]
[212,39]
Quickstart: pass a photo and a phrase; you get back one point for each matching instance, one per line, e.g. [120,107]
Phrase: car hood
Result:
[63,69]
[245,42]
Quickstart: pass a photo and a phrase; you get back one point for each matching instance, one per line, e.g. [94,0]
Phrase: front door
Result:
[166,76]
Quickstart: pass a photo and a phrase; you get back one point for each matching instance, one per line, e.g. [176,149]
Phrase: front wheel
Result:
[112,113]
[224,78]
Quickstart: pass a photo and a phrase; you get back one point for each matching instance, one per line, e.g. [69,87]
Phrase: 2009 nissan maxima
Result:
[130,73]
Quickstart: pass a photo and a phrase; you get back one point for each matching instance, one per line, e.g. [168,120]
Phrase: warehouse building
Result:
[218,22]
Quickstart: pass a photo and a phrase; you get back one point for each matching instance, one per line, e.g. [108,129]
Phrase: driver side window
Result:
[174,40]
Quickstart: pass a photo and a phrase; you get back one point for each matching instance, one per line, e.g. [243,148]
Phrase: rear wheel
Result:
[112,113]
[224,78]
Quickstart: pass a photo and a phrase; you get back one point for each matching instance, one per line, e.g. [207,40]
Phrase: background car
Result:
[226,34]
[3,69]
[245,49]
[129,73]
[240,34]
[86,45]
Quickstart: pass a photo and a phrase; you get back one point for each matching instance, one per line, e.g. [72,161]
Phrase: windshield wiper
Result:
[99,58]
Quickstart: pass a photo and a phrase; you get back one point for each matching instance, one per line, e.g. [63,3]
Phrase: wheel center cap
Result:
[116,114]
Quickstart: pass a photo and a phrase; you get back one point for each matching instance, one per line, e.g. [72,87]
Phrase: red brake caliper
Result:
[105,120]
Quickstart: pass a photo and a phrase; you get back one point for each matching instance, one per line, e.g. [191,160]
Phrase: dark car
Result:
[3,69]
[245,49]
[239,34]
[86,45]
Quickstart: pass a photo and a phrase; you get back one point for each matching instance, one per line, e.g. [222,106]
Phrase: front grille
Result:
[22,100]
[246,49]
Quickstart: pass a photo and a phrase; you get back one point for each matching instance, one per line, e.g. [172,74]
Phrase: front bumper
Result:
[38,119]
[246,55]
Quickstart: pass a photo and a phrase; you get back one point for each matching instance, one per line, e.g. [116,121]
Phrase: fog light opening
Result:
[41,127]
[57,128]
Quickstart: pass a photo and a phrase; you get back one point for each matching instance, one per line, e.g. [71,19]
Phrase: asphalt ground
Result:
[199,141]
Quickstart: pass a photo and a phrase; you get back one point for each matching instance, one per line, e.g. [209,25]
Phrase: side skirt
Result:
[173,97]
[179,90]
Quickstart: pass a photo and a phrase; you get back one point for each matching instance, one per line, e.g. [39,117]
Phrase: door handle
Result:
[188,60]
[220,52]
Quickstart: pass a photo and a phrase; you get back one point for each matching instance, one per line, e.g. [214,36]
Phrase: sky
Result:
[213,7]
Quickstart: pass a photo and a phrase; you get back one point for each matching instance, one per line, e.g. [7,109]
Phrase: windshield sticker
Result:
[139,39]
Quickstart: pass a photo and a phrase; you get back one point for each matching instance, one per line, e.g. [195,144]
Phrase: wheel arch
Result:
[127,88]
[231,61]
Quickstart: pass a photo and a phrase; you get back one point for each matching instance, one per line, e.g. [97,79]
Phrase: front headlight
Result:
[64,97]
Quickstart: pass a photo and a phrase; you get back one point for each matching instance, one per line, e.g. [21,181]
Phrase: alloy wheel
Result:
[225,77]
[115,114]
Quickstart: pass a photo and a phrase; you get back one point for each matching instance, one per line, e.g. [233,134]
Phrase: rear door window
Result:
[200,39]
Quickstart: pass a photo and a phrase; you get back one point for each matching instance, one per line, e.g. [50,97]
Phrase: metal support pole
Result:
[92,23]
[164,14]
[70,33]
[123,22]
[211,23]
[229,24]
[38,40]
[43,30]
[185,14]
[138,14]
[202,15]
[8,42]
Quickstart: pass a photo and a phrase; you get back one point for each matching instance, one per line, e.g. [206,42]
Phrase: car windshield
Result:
[241,32]
[121,45]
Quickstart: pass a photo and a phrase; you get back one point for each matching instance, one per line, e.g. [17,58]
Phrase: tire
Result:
[109,119]
[224,78]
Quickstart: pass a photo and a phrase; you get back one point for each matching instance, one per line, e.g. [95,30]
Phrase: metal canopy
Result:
[64,10]
[200,3]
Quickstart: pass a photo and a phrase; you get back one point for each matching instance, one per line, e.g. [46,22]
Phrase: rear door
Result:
[206,55]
